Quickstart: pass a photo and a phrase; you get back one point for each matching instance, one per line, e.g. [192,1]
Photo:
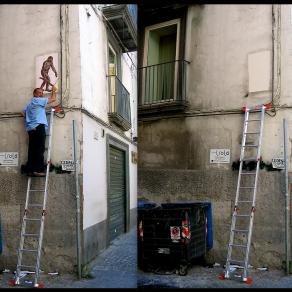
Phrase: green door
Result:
[117,193]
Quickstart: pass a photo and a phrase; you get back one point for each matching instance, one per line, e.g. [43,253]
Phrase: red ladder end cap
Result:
[222,276]
[11,282]
[248,281]
[244,109]
[268,106]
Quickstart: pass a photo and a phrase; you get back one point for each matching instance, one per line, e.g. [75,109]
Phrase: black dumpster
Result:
[172,234]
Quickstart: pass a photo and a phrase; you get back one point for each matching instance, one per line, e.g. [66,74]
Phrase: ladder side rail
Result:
[242,152]
[254,196]
[233,221]
[23,228]
[44,201]
[48,157]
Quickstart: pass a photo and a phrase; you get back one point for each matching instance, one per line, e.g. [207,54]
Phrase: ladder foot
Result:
[40,285]
[11,282]
[248,281]
[222,276]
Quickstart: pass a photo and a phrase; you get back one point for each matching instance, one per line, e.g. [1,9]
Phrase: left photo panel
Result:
[68,146]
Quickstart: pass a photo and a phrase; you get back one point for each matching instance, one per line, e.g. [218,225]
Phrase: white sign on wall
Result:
[68,165]
[219,155]
[278,163]
[9,158]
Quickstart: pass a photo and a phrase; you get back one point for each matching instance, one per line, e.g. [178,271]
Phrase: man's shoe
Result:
[38,173]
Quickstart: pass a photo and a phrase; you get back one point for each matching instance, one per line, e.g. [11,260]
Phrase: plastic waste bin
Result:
[173,234]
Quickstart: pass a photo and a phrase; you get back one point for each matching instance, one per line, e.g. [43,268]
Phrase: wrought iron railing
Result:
[120,109]
[163,83]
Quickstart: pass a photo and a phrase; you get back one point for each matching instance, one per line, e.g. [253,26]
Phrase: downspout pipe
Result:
[287,205]
[76,165]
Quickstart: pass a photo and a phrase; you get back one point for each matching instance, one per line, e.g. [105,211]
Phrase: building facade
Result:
[199,65]
[94,49]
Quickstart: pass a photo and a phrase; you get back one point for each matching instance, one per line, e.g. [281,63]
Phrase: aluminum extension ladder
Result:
[26,221]
[243,213]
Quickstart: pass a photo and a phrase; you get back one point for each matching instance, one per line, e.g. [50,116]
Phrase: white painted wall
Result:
[94,173]
[94,83]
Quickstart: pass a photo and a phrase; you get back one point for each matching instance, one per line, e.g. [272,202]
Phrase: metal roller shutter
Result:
[117,193]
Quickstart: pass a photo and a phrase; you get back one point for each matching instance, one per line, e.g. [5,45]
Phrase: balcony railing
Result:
[123,19]
[163,85]
[120,109]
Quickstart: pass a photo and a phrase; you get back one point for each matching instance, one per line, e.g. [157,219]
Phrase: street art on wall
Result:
[47,71]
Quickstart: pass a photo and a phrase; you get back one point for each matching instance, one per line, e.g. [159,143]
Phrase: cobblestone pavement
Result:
[204,277]
[115,267]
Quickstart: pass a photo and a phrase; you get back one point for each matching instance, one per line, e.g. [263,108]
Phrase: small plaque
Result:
[219,155]
[68,165]
[9,158]
[278,163]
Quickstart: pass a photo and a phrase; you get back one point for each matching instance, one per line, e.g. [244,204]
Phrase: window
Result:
[160,62]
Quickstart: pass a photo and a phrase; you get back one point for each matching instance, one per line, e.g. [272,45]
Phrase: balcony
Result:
[162,88]
[120,110]
[123,19]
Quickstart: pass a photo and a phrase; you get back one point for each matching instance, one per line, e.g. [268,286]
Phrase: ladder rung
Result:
[244,201]
[27,272]
[238,245]
[242,215]
[240,230]
[25,266]
[250,159]
[248,173]
[236,261]
[253,120]
[246,187]
[250,145]
[29,250]
[32,219]
[31,234]
[36,190]
[35,205]
[251,132]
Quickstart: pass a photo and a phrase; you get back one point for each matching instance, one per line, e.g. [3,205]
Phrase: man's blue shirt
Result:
[35,113]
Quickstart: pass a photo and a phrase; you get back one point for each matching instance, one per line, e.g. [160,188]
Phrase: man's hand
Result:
[22,114]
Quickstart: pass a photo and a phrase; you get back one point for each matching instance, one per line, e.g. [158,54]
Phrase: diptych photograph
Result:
[145,145]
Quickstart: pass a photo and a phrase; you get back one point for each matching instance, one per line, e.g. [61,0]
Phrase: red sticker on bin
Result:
[174,232]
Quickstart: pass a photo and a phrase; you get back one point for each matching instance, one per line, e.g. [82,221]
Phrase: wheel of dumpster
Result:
[183,270]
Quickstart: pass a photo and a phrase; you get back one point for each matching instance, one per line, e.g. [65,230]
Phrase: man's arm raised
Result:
[53,95]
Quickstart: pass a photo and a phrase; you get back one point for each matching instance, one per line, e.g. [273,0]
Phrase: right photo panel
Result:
[214,102]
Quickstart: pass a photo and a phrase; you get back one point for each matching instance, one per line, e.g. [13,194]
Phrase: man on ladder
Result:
[36,125]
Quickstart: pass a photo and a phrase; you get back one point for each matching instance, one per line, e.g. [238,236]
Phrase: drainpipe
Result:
[287,245]
[77,201]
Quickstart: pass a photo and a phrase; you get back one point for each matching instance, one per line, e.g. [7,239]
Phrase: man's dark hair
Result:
[34,92]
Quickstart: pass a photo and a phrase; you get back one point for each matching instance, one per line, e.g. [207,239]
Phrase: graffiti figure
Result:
[47,65]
